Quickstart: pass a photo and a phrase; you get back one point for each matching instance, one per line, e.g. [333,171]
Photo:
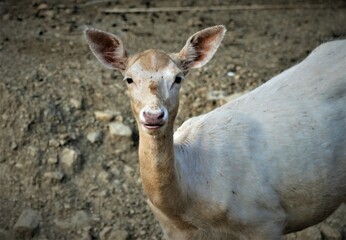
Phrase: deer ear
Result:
[201,47]
[108,48]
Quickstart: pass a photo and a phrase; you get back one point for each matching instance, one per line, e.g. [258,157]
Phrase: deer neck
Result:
[158,172]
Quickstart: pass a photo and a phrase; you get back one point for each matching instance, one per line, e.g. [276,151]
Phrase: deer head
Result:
[154,77]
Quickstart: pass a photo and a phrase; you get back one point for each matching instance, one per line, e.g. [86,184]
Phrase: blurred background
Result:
[68,140]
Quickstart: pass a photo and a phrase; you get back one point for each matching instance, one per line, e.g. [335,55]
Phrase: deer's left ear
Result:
[201,47]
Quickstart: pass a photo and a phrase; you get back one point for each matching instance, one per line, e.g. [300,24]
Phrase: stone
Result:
[53,177]
[105,116]
[103,177]
[330,233]
[81,219]
[76,103]
[52,160]
[35,154]
[70,160]
[54,143]
[119,129]
[27,224]
[230,74]
[95,136]
[216,95]
[311,233]
[42,6]
[109,233]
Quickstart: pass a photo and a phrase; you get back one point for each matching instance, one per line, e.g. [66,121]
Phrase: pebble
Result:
[53,160]
[103,177]
[34,152]
[330,233]
[70,160]
[14,145]
[26,224]
[76,103]
[79,220]
[311,233]
[119,129]
[42,6]
[95,136]
[105,116]
[53,177]
[109,233]
[230,74]
[53,143]
[216,95]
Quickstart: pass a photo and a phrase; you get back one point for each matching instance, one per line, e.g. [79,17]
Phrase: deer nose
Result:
[153,118]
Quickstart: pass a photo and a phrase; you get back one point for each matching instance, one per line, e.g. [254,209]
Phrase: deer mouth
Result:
[152,125]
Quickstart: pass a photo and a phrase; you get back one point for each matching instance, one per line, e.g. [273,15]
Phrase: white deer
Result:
[269,163]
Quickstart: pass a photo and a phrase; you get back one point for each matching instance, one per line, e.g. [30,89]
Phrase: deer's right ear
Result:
[108,49]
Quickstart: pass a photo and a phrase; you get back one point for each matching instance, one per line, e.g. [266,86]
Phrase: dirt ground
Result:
[59,158]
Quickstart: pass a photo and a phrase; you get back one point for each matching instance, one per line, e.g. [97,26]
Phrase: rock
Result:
[230,74]
[52,160]
[76,103]
[311,233]
[14,145]
[105,116]
[103,177]
[81,219]
[26,224]
[95,136]
[109,233]
[53,143]
[42,6]
[70,160]
[35,154]
[119,129]
[53,177]
[330,233]
[48,13]
[216,95]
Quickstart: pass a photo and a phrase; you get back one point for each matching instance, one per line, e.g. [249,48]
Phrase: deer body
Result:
[269,163]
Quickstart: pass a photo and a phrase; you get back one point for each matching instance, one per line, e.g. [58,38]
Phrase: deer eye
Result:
[178,79]
[129,80]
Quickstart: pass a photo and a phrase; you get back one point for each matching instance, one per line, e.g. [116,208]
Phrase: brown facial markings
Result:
[153,88]
[153,60]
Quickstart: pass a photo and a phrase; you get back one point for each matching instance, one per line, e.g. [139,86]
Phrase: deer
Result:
[269,163]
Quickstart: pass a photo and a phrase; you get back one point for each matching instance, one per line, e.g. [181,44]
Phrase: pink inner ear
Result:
[107,48]
[201,47]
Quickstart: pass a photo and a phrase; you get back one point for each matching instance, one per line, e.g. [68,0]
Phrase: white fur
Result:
[274,159]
